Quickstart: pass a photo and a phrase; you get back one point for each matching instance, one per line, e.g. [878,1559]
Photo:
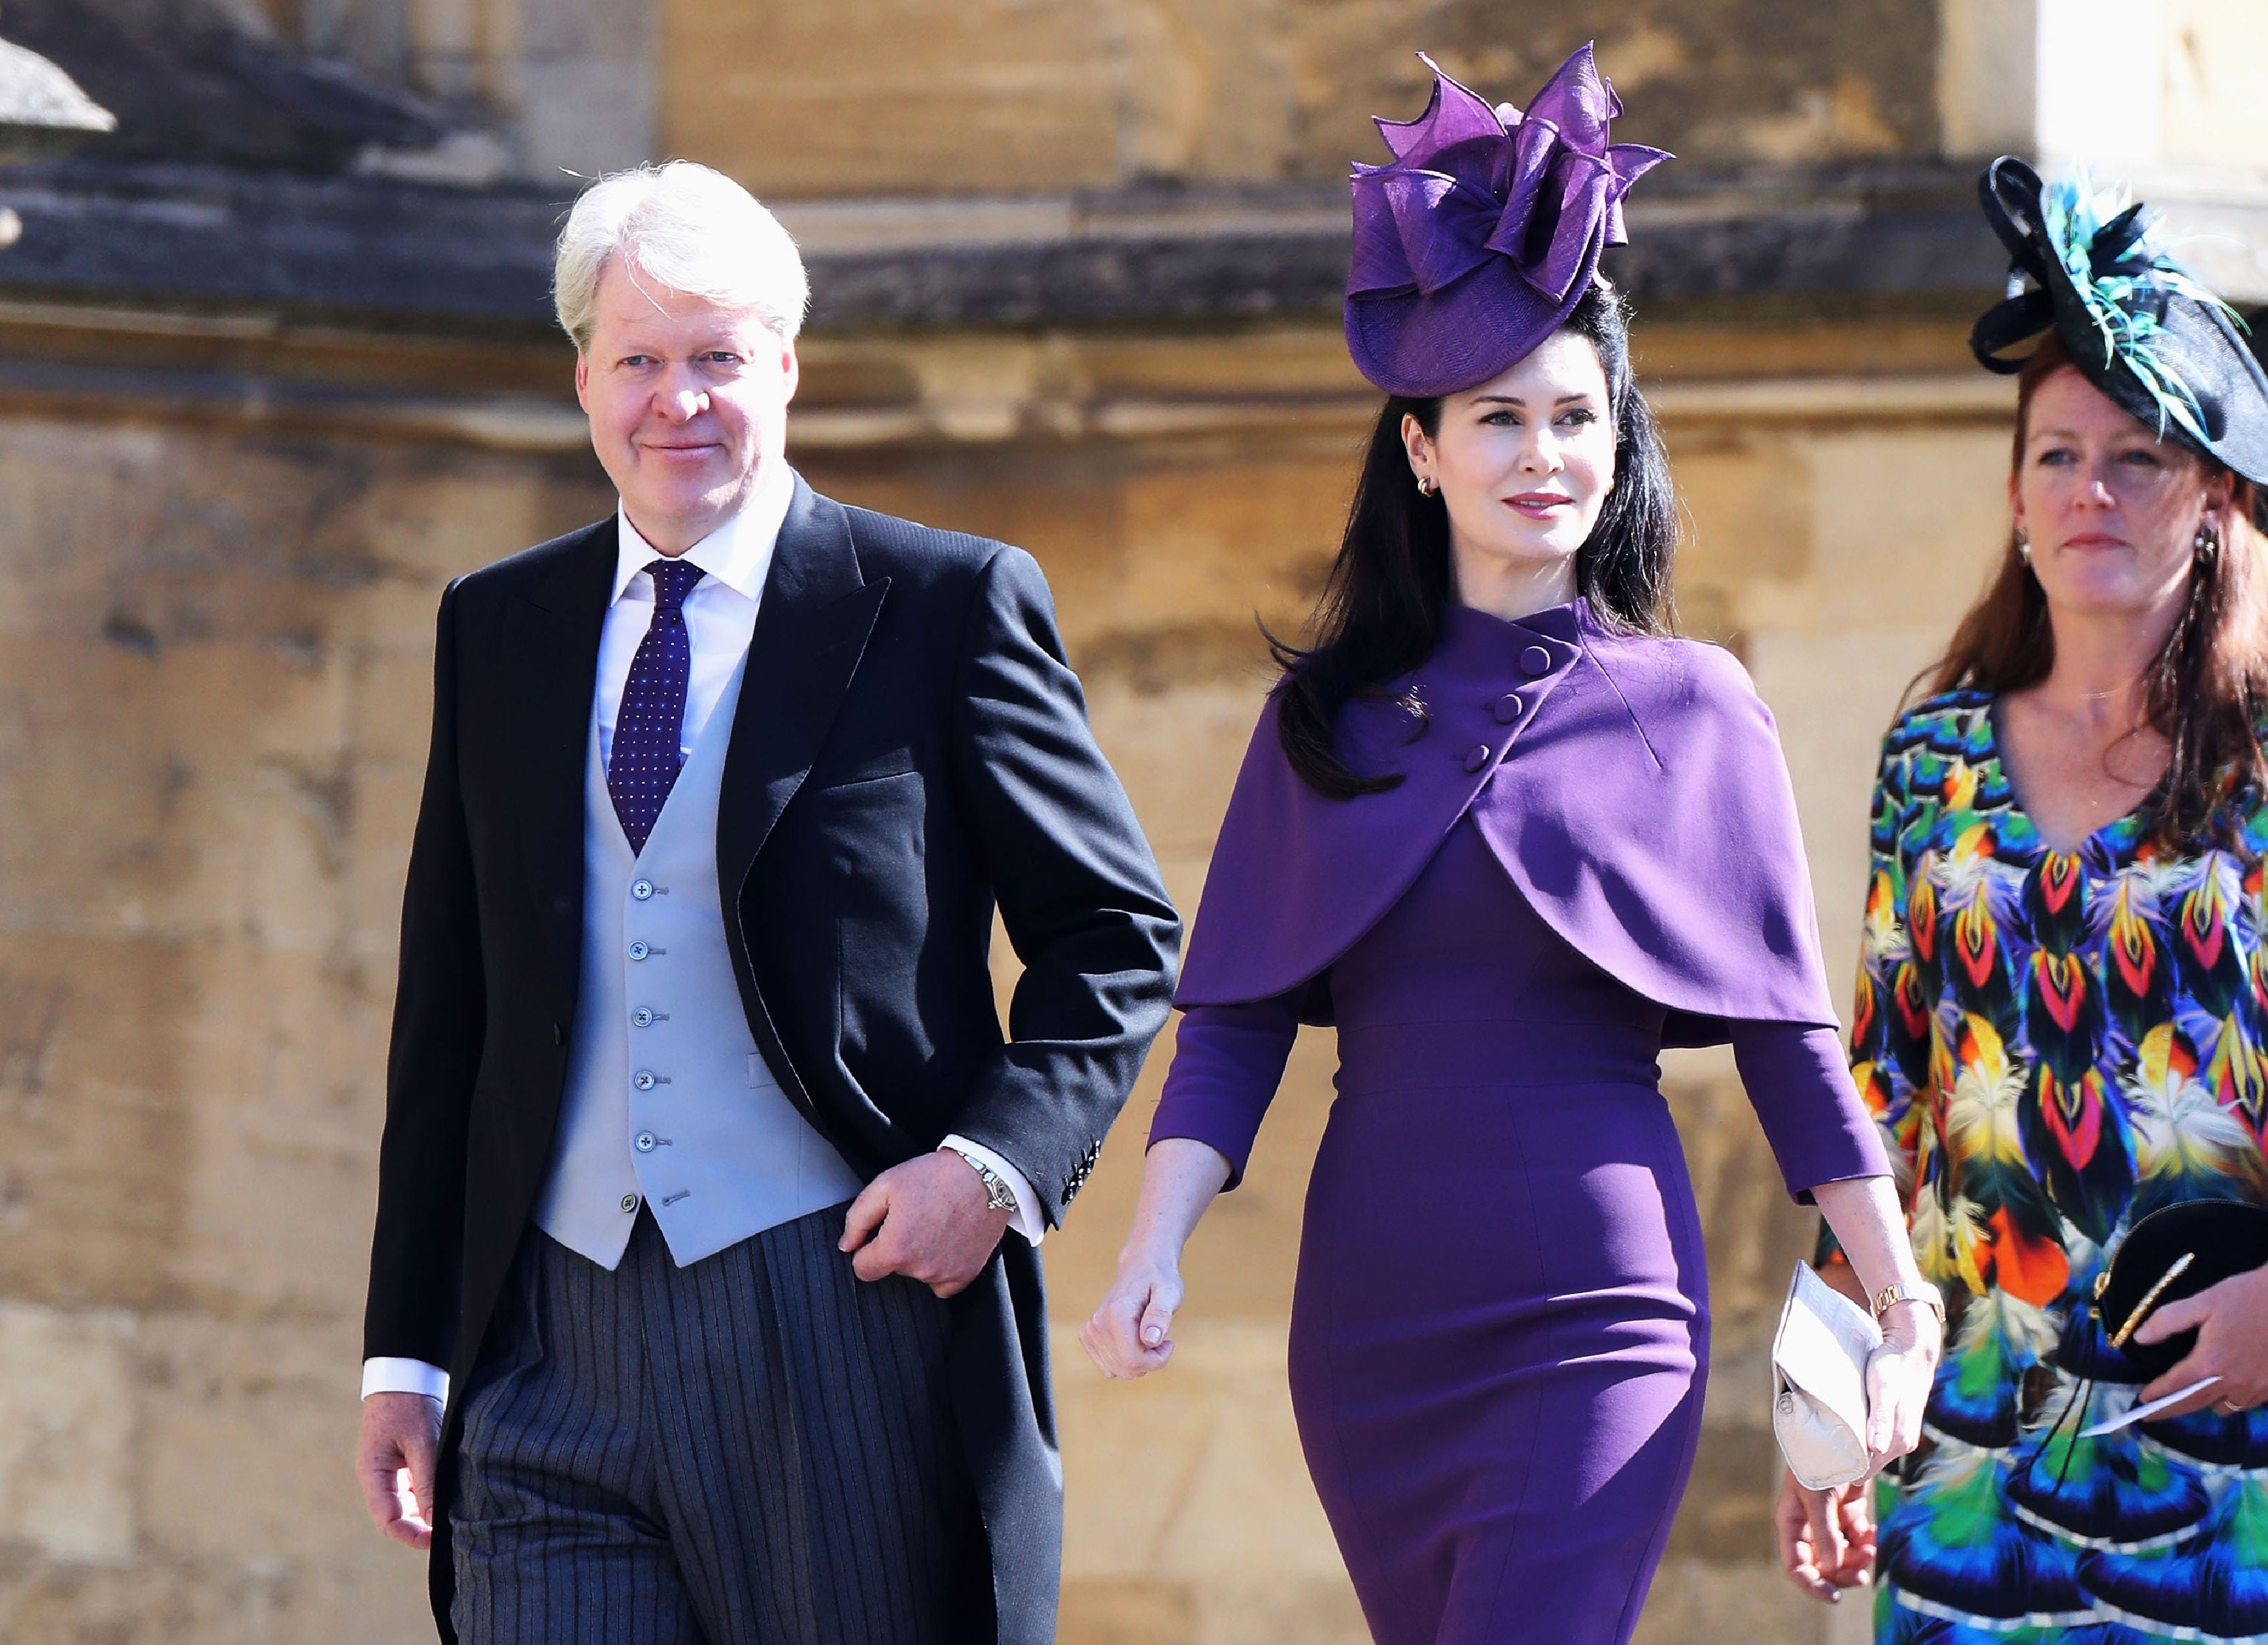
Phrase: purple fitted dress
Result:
[1499,1330]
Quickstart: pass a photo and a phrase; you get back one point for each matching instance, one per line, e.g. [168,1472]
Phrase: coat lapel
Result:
[553,646]
[811,631]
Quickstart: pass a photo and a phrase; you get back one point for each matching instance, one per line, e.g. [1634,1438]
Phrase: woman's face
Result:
[2112,512]
[1525,460]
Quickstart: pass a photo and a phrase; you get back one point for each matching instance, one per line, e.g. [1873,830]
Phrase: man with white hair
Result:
[690,1317]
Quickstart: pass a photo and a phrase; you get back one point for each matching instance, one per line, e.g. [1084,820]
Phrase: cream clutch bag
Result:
[1819,1382]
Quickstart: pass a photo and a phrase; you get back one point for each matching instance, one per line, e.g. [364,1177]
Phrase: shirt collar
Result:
[737,554]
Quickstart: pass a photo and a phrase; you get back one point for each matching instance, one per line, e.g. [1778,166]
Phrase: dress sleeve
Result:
[1889,1022]
[1819,1130]
[1227,1062]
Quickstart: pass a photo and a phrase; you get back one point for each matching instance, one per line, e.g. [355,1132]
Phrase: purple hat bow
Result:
[1483,209]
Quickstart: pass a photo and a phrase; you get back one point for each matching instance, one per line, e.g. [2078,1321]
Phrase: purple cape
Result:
[1632,787]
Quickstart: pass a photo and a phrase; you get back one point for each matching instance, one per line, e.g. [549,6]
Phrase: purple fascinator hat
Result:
[1478,239]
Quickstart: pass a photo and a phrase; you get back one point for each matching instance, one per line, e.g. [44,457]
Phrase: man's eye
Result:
[723,357]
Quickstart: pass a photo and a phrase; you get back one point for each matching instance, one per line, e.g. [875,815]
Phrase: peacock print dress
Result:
[2055,1045]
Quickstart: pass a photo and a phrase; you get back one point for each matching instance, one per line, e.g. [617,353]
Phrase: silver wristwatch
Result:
[997,1195]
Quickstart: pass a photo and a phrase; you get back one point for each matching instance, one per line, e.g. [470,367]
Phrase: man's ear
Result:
[791,369]
[583,379]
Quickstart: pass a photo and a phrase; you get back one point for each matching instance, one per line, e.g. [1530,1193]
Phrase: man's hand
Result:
[2231,1321]
[400,1432]
[927,1219]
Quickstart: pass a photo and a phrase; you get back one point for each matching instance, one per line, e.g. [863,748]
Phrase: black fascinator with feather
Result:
[2091,265]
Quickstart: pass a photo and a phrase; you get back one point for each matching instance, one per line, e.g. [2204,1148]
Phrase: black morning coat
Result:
[911,748]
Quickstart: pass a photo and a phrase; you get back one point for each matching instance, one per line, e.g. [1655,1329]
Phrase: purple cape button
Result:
[1508,708]
[1536,659]
[1477,758]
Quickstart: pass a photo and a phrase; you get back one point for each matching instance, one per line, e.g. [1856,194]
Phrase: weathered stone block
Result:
[1165,1476]
[887,97]
[1698,1601]
[91,1194]
[67,1432]
[247,1441]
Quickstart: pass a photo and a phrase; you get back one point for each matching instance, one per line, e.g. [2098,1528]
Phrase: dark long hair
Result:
[2206,690]
[1380,613]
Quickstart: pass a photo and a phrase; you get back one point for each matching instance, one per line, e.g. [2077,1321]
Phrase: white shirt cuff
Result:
[1027,1220]
[404,1376]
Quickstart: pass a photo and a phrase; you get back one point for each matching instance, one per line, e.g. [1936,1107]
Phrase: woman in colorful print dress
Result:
[2062,1018]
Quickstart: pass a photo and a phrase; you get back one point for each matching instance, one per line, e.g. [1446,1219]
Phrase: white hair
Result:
[685,227]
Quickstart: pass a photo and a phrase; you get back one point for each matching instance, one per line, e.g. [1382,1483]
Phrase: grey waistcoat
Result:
[668,1102]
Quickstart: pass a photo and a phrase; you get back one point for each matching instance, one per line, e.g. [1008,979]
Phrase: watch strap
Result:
[1890,1295]
[998,1196]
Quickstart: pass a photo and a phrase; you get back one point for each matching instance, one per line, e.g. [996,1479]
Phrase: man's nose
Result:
[681,396]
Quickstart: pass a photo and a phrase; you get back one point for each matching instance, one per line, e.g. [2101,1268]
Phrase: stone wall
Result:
[899,97]
[212,730]
[223,535]
[887,97]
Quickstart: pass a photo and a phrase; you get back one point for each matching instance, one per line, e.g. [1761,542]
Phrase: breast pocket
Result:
[871,767]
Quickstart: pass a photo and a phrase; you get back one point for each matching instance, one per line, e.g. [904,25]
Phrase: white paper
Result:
[2143,1413]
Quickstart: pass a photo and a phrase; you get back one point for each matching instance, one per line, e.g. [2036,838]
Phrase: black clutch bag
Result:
[2174,1252]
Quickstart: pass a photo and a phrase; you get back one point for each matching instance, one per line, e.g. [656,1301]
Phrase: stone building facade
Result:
[274,365]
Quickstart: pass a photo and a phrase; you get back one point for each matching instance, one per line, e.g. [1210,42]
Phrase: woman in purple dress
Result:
[1511,840]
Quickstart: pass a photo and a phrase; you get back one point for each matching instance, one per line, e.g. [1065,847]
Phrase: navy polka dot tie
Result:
[643,766]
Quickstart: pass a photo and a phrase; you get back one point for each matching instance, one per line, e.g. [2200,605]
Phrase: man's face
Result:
[687,400]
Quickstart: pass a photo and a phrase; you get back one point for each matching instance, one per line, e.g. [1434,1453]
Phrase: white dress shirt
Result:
[720,620]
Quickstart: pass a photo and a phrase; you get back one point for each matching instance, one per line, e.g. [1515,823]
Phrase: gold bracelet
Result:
[1890,1295]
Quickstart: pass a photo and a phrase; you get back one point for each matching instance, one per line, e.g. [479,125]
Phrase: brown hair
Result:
[2204,691]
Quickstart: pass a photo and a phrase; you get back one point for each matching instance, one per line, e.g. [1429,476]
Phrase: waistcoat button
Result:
[629,1202]
[642,889]
[646,1143]
[1536,659]
[643,1016]
[643,1079]
[639,950]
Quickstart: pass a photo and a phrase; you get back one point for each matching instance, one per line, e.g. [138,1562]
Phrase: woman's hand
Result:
[2231,1320]
[1826,1538]
[1130,1334]
[1898,1377]
[1871,1229]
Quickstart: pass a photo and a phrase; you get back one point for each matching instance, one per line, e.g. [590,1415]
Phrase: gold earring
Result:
[1425,485]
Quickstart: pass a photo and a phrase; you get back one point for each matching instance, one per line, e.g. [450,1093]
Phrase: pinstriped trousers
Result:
[755,1449]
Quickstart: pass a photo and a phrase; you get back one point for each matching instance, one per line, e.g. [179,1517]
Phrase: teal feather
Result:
[2075,215]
